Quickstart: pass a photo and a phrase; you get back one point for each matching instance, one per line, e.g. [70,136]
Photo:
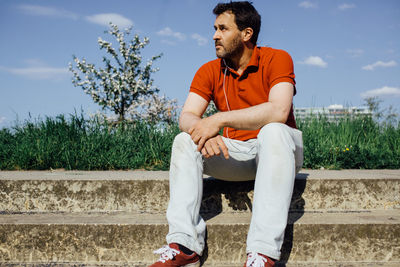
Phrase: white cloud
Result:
[307,4]
[168,42]
[200,39]
[355,52]
[106,18]
[2,119]
[37,70]
[379,63]
[40,73]
[101,19]
[346,6]
[167,31]
[384,91]
[315,61]
[47,11]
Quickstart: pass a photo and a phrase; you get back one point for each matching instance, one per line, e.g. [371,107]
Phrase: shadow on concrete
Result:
[238,198]
[236,193]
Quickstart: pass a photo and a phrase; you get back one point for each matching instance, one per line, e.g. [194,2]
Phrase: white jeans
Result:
[273,159]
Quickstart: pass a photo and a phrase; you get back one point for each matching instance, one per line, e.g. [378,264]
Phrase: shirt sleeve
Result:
[280,69]
[202,83]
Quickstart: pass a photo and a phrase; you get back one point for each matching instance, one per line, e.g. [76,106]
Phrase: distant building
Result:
[332,112]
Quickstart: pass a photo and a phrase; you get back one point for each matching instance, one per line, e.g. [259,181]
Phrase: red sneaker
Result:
[172,256]
[258,260]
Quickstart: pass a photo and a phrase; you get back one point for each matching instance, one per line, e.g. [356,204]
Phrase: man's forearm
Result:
[187,120]
[277,109]
[252,118]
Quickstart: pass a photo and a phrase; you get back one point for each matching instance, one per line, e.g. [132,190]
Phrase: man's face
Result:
[227,37]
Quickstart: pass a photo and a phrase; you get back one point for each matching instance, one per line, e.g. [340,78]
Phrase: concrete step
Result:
[319,264]
[142,191]
[318,238]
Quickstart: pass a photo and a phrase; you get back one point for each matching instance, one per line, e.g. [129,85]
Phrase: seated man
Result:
[252,87]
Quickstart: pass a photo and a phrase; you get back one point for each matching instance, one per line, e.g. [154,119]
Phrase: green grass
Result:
[76,143]
[79,143]
[359,143]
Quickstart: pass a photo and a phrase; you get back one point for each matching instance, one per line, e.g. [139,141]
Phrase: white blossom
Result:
[124,86]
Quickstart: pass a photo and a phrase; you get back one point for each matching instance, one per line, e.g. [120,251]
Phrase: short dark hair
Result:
[245,16]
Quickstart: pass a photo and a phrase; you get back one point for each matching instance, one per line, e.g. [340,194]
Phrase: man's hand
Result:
[214,146]
[203,130]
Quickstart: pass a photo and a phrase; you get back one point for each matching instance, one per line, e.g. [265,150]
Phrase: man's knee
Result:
[182,140]
[275,134]
[272,130]
[182,137]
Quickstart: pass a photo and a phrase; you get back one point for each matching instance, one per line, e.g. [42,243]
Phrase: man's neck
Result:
[240,62]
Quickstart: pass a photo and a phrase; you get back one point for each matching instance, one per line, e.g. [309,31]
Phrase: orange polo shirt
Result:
[266,68]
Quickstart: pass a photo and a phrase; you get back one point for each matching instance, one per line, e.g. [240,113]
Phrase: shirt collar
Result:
[255,57]
[254,60]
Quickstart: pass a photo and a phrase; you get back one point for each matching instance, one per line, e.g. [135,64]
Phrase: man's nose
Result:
[216,36]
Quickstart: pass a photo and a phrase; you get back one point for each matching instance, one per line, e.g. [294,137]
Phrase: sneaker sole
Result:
[194,264]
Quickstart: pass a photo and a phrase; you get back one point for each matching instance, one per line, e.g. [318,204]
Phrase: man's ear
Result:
[247,34]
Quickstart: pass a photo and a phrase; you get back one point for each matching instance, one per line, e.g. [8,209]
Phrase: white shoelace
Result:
[167,253]
[255,260]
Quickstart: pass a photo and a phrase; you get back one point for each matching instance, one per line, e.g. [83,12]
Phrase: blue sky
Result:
[342,50]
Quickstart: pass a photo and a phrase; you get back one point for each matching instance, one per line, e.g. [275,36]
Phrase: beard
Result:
[230,50]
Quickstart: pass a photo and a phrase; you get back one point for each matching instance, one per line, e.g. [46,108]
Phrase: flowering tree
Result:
[123,81]
[154,109]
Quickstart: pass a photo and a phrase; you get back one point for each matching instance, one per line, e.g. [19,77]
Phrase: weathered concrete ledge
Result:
[76,191]
[319,264]
[161,175]
[74,218]
[130,238]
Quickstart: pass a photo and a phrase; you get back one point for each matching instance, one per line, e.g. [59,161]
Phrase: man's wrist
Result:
[220,119]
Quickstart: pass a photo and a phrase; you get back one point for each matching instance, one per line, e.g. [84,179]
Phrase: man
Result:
[252,88]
